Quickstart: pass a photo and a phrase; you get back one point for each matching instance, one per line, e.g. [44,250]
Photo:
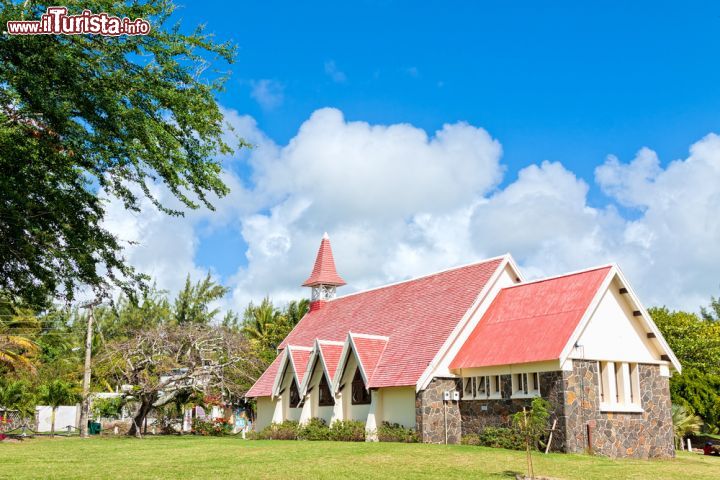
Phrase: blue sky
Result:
[568,82]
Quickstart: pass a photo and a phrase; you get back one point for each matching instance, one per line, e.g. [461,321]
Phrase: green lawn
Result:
[209,458]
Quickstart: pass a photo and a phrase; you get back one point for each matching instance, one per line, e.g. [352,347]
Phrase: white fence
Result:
[65,415]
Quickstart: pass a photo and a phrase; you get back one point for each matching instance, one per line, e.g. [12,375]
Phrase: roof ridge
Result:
[432,274]
[562,275]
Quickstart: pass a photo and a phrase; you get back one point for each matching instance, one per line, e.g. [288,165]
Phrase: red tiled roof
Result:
[324,270]
[300,359]
[369,351]
[264,385]
[417,315]
[530,322]
[331,357]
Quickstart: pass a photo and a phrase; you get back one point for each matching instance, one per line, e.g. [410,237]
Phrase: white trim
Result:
[279,374]
[630,408]
[649,321]
[369,336]
[580,328]
[585,319]
[568,274]
[464,322]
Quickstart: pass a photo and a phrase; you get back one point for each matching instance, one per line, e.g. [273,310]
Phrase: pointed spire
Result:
[324,272]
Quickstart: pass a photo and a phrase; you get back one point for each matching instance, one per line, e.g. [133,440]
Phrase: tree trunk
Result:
[52,422]
[139,418]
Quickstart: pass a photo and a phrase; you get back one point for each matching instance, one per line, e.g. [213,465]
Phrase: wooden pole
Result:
[85,407]
[552,430]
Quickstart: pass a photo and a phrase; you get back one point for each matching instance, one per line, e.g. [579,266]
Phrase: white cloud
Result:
[398,202]
[268,93]
[332,71]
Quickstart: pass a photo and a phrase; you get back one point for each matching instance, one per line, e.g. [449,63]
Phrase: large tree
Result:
[165,363]
[696,342]
[87,117]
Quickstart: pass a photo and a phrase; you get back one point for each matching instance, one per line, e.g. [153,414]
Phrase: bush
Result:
[215,427]
[497,437]
[394,432]
[288,430]
[108,407]
[347,431]
[315,429]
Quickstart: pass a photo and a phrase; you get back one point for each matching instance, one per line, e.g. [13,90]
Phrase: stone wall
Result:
[646,434]
[478,414]
[430,412]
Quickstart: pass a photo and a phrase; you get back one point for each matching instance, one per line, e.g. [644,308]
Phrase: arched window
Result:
[325,396]
[294,395]
[360,395]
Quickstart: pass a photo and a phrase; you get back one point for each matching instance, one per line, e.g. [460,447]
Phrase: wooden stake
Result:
[552,430]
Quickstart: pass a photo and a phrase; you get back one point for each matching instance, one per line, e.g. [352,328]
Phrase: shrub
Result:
[347,431]
[499,437]
[315,429]
[215,427]
[394,432]
[288,430]
[108,407]
[470,439]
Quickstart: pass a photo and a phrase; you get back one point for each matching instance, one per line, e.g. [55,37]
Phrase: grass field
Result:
[210,458]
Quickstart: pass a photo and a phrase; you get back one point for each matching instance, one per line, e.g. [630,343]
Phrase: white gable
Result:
[615,333]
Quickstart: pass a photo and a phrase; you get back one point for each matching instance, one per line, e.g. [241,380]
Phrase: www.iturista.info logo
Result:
[56,21]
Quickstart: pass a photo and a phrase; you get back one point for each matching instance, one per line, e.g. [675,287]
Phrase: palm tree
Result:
[685,422]
[15,395]
[55,394]
[16,324]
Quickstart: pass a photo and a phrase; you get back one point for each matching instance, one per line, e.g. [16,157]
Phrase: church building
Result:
[455,351]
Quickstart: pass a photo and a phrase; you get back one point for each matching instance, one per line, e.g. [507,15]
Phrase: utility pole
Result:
[85,407]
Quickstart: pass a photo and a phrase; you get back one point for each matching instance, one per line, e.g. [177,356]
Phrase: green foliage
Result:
[496,437]
[59,392]
[18,395]
[192,304]
[532,423]
[266,326]
[394,432]
[108,407]
[83,118]
[215,427]
[684,423]
[347,431]
[711,313]
[287,430]
[315,429]
[129,314]
[700,392]
[694,340]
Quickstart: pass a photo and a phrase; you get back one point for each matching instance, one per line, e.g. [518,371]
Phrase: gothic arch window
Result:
[325,397]
[294,395]
[360,395]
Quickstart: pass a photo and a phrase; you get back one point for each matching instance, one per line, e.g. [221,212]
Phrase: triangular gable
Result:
[616,326]
[327,353]
[530,322]
[367,350]
[296,359]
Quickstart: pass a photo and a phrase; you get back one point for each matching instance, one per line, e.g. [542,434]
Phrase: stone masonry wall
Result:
[648,434]
[430,413]
[478,414]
